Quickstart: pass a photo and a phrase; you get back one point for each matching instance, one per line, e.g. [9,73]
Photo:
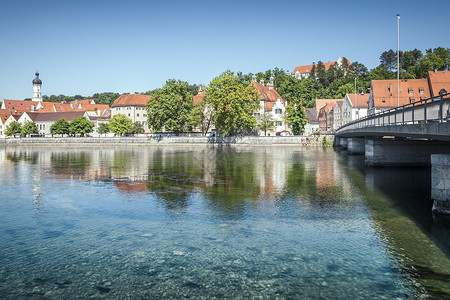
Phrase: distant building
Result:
[37,84]
[304,71]
[313,122]
[133,106]
[45,120]
[272,104]
[337,115]
[354,106]
[439,82]
[383,93]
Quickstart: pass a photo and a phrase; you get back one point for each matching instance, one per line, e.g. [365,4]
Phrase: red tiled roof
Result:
[265,93]
[19,105]
[307,68]
[322,102]
[131,100]
[86,101]
[362,100]
[439,80]
[199,98]
[4,115]
[385,91]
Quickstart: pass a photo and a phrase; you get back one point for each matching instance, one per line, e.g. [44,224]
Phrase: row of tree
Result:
[80,125]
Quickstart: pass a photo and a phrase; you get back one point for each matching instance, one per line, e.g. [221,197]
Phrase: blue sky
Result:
[83,47]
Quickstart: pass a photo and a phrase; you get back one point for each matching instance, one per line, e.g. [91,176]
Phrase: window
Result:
[442,92]
[129,115]
[137,115]
[278,111]
[421,91]
[412,100]
[279,123]
[145,115]
[410,92]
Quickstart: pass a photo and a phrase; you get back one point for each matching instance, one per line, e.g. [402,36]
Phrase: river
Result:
[149,222]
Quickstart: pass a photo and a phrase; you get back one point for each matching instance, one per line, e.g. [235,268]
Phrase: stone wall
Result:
[172,140]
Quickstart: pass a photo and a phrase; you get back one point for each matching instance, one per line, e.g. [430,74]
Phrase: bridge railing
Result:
[436,109]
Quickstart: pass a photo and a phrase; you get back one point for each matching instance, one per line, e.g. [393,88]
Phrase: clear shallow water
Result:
[172,222]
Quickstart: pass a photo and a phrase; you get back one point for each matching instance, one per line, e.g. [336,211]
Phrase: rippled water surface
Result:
[176,222]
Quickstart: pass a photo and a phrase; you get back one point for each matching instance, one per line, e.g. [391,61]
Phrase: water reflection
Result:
[300,186]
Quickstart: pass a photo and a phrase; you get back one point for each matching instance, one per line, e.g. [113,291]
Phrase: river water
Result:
[153,222]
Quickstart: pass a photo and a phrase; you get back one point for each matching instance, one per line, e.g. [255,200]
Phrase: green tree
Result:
[233,102]
[60,127]
[170,107]
[80,125]
[29,127]
[13,128]
[296,117]
[120,124]
[266,122]
[196,117]
[137,127]
[103,128]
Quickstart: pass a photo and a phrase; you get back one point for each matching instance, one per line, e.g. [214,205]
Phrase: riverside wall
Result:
[171,140]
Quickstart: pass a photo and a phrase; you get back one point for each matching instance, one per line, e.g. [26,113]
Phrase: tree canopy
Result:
[29,127]
[80,125]
[120,124]
[60,127]
[136,128]
[170,107]
[234,103]
[13,128]
[103,128]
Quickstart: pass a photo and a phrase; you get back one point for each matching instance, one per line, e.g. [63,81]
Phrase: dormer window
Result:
[410,92]
[412,100]
[421,92]
[442,92]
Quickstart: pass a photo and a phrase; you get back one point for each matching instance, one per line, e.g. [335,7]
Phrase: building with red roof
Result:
[271,103]
[133,106]
[304,71]
[354,106]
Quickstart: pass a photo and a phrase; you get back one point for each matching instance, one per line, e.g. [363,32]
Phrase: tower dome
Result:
[37,80]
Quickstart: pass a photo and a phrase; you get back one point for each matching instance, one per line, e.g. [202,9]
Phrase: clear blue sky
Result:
[83,47]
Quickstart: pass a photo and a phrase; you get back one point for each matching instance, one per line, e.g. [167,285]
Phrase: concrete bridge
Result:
[417,134]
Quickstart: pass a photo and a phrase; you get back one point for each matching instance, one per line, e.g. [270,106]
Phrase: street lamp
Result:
[360,89]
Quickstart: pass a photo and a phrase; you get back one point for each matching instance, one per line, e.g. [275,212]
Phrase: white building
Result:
[45,120]
[272,105]
[313,122]
[133,106]
[355,106]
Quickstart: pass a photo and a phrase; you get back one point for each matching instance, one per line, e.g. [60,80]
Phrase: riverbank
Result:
[172,140]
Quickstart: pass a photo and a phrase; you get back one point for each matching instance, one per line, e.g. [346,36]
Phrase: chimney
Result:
[270,85]
[254,78]
[262,81]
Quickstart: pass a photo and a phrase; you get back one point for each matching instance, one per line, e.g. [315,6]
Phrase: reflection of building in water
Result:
[271,170]
[325,175]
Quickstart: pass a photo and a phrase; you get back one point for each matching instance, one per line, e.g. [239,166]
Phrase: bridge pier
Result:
[440,183]
[343,142]
[389,152]
[356,145]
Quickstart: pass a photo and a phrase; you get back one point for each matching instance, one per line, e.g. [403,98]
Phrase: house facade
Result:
[271,105]
[133,106]
[313,122]
[354,106]
[384,93]
[45,120]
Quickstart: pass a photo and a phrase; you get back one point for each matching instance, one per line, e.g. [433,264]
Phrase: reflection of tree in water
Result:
[300,181]
[70,163]
[173,176]
[22,156]
[235,184]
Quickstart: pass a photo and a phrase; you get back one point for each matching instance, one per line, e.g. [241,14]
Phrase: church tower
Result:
[37,88]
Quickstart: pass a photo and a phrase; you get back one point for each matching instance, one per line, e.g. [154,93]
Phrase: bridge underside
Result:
[434,131]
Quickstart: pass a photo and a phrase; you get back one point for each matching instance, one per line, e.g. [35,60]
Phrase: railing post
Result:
[403,115]
[389,119]
[425,111]
[412,113]
[441,103]
[395,116]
